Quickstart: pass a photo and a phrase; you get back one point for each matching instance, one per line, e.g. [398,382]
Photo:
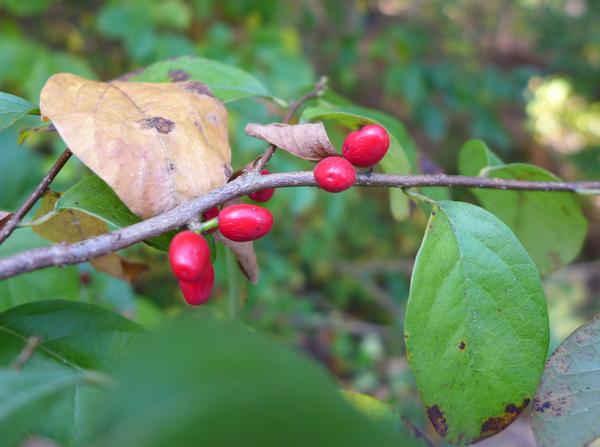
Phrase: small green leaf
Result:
[566,408]
[550,225]
[474,156]
[476,323]
[400,157]
[93,196]
[228,83]
[76,337]
[12,109]
[231,387]
[27,397]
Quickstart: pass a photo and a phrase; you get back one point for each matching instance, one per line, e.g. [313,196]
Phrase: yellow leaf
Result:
[72,226]
[157,145]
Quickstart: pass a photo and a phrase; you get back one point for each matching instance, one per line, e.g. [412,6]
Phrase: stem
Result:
[208,225]
[294,107]
[233,291]
[12,223]
[65,254]
[30,346]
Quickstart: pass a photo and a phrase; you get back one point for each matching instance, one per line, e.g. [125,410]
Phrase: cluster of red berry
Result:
[362,148]
[189,253]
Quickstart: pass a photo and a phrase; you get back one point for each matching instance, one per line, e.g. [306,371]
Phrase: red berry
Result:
[210,214]
[189,255]
[365,147]
[198,291]
[263,195]
[245,222]
[334,174]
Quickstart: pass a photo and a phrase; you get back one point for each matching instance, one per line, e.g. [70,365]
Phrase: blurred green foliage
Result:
[521,75]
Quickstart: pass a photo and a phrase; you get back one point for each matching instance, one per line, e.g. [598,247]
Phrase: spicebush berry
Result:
[244,222]
[334,174]
[189,256]
[365,147]
[199,291]
[263,195]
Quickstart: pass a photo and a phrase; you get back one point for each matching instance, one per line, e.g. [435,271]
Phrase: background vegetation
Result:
[521,75]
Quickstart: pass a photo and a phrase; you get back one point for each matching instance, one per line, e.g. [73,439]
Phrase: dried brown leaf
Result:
[157,145]
[72,226]
[244,251]
[119,267]
[307,141]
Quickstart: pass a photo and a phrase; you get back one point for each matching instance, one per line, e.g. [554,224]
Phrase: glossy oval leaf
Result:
[228,83]
[12,109]
[76,337]
[476,323]
[26,397]
[401,156]
[566,408]
[231,387]
[550,225]
[93,196]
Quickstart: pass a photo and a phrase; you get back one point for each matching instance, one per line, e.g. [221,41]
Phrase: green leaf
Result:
[12,109]
[76,337]
[93,196]
[397,159]
[566,408]
[46,284]
[230,387]
[550,225]
[476,323]
[228,83]
[27,397]
[474,156]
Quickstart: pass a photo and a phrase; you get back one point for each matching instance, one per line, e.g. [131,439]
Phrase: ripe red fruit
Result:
[263,195]
[245,222]
[365,147]
[334,174]
[199,291]
[189,255]
[210,214]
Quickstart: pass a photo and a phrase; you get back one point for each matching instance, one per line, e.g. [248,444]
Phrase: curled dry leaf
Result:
[307,141]
[72,226]
[157,145]
[244,251]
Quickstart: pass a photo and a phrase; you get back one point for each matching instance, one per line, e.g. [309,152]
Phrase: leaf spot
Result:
[462,345]
[197,87]
[178,75]
[162,125]
[438,420]
[496,424]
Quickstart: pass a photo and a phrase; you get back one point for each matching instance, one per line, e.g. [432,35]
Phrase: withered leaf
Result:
[71,226]
[119,267]
[307,141]
[157,145]
[244,251]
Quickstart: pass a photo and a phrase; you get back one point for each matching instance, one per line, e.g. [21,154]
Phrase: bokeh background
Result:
[522,75]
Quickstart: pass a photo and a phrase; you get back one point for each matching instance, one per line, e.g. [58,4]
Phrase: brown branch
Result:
[64,254]
[14,220]
[294,107]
